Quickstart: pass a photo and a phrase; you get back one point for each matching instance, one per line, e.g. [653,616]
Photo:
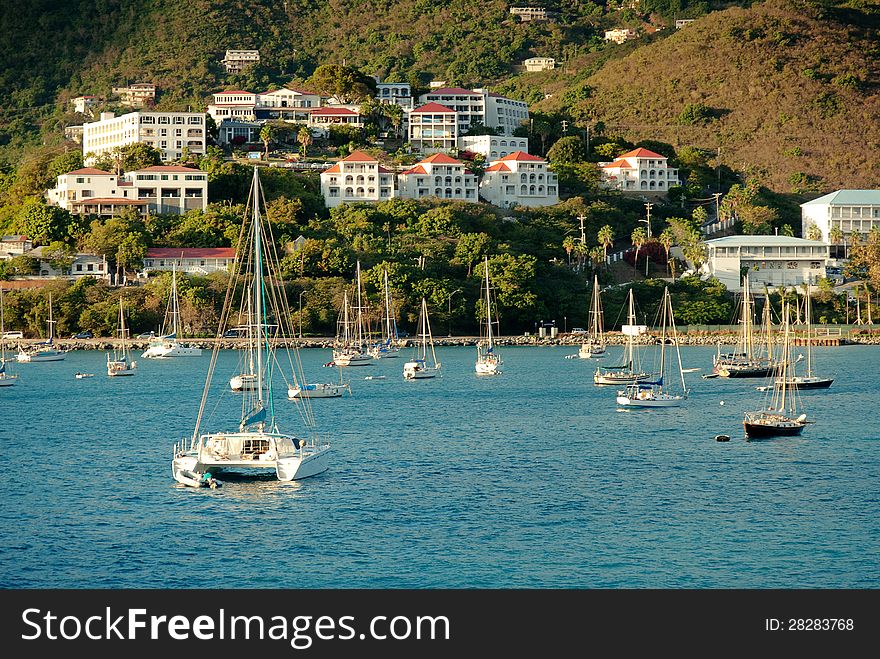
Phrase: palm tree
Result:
[639,237]
[581,251]
[814,232]
[394,113]
[606,239]
[666,239]
[568,246]
[267,134]
[836,236]
[304,137]
[597,256]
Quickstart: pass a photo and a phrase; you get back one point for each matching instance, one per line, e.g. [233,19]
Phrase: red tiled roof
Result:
[382,170]
[233,91]
[498,167]
[359,156]
[616,164]
[191,253]
[418,169]
[111,200]
[335,169]
[435,108]
[641,153]
[169,168]
[455,91]
[522,155]
[442,159]
[14,239]
[335,111]
[91,171]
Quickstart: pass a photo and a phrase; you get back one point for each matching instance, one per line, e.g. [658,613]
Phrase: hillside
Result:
[786,88]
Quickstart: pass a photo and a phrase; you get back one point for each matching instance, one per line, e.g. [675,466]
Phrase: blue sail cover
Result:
[2,367]
[254,416]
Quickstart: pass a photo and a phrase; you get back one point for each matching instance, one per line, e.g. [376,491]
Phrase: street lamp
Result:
[301,314]
[449,312]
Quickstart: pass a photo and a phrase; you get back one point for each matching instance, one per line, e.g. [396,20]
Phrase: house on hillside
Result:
[438,176]
[772,261]
[519,179]
[138,95]
[539,64]
[82,265]
[12,246]
[639,171]
[356,178]
[620,35]
[84,104]
[191,260]
[852,212]
[236,61]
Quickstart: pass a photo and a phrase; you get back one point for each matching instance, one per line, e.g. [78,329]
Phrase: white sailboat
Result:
[488,359]
[258,443]
[7,379]
[167,345]
[594,346]
[121,363]
[351,339]
[45,351]
[387,346]
[657,393]
[809,380]
[420,367]
[629,369]
[245,379]
[780,417]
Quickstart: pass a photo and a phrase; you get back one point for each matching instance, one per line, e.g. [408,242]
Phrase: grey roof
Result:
[848,198]
[764,241]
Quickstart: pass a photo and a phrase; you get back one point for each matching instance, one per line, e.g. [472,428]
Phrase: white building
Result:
[74,133]
[519,179]
[236,61]
[169,132]
[84,104]
[540,64]
[357,178]
[479,106]
[235,104]
[288,97]
[493,147]
[620,35]
[639,171]
[774,261]
[681,22]
[83,265]
[137,95]
[438,176]
[154,190]
[851,211]
[398,93]
[12,246]
[325,118]
[529,13]
[191,260]
[433,127]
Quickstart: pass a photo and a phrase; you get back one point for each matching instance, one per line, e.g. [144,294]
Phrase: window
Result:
[90,267]
[164,120]
[79,267]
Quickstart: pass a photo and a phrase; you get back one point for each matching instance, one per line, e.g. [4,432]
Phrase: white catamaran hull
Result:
[163,351]
[25,357]
[321,390]
[655,400]
[352,359]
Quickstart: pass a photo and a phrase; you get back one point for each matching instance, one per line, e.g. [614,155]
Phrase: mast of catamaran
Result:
[258,289]
[488,307]
[388,332]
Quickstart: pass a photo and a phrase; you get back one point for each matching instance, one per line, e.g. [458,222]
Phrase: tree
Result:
[787,230]
[568,246]
[814,232]
[582,252]
[471,248]
[757,219]
[304,137]
[606,239]
[59,256]
[666,239]
[835,235]
[267,134]
[568,149]
[394,113]
[129,158]
[639,237]
[42,223]
[348,85]
[130,253]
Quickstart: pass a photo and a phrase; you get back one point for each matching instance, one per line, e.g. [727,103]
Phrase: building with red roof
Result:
[192,260]
[358,177]
[639,171]
[480,106]
[433,127]
[519,179]
[438,176]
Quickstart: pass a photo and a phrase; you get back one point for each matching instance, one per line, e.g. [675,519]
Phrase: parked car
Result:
[578,330]
[83,335]
[13,335]
[145,335]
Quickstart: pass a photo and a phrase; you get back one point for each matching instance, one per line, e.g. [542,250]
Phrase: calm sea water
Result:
[530,479]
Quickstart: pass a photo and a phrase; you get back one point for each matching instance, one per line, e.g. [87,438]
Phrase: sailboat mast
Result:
[258,284]
[50,322]
[747,320]
[663,338]
[2,331]
[808,319]
[424,329]
[359,316]
[785,356]
[488,305]
[387,309]
[675,341]
[631,319]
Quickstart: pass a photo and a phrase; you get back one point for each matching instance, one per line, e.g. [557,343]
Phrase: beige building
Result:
[438,176]
[357,178]
[772,261]
[540,64]
[433,127]
[138,95]
[12,246]
[519,179]
[169,132]
[236,61]
[84,104]
[639,171]
[191,260]
[620,35]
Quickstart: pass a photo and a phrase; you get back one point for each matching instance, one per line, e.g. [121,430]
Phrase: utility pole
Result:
[582,218]
[564,126]
[648,208]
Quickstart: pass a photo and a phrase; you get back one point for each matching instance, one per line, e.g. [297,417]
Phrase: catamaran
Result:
[45,351]
[258,443]
[167,345]
[488,359]
[351,339]
[594,346]
[628,370]
[656,393]
[7,379]
[121,363]
[387,347]
[420,367]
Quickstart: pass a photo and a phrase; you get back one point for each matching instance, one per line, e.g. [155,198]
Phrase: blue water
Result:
[530,479]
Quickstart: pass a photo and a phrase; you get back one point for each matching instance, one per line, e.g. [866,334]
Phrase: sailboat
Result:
[746,361]
[245,379]
[594,346]
[45,351]
[420,367]
[628,370]
[657,393]
[351,339]
[166,345]
[121,363]
[488,359]
[809,380]
[7,379]
[780,417]
[387,346]
[258,443]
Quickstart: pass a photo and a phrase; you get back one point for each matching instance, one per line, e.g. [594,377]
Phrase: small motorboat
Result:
[195,479]
[80,376]
[709,376]
[375,377]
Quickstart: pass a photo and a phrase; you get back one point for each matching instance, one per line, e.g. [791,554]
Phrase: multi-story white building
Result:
[84,104]
[236,61]
[357,178]
[438,176]
[433,127]
[850,211]
[398,93]
[287,103]
[159,189]
[620,35]
[82,265]
[530,13]
[479,106]
[519,179]
[137,95]
[322,119]
[639,171]
[682,22]
[169,132]
[12,246]
[774,261]
[74,133]
[235,104]
[192,260]
[493,146]
[540,64]
[288,97]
